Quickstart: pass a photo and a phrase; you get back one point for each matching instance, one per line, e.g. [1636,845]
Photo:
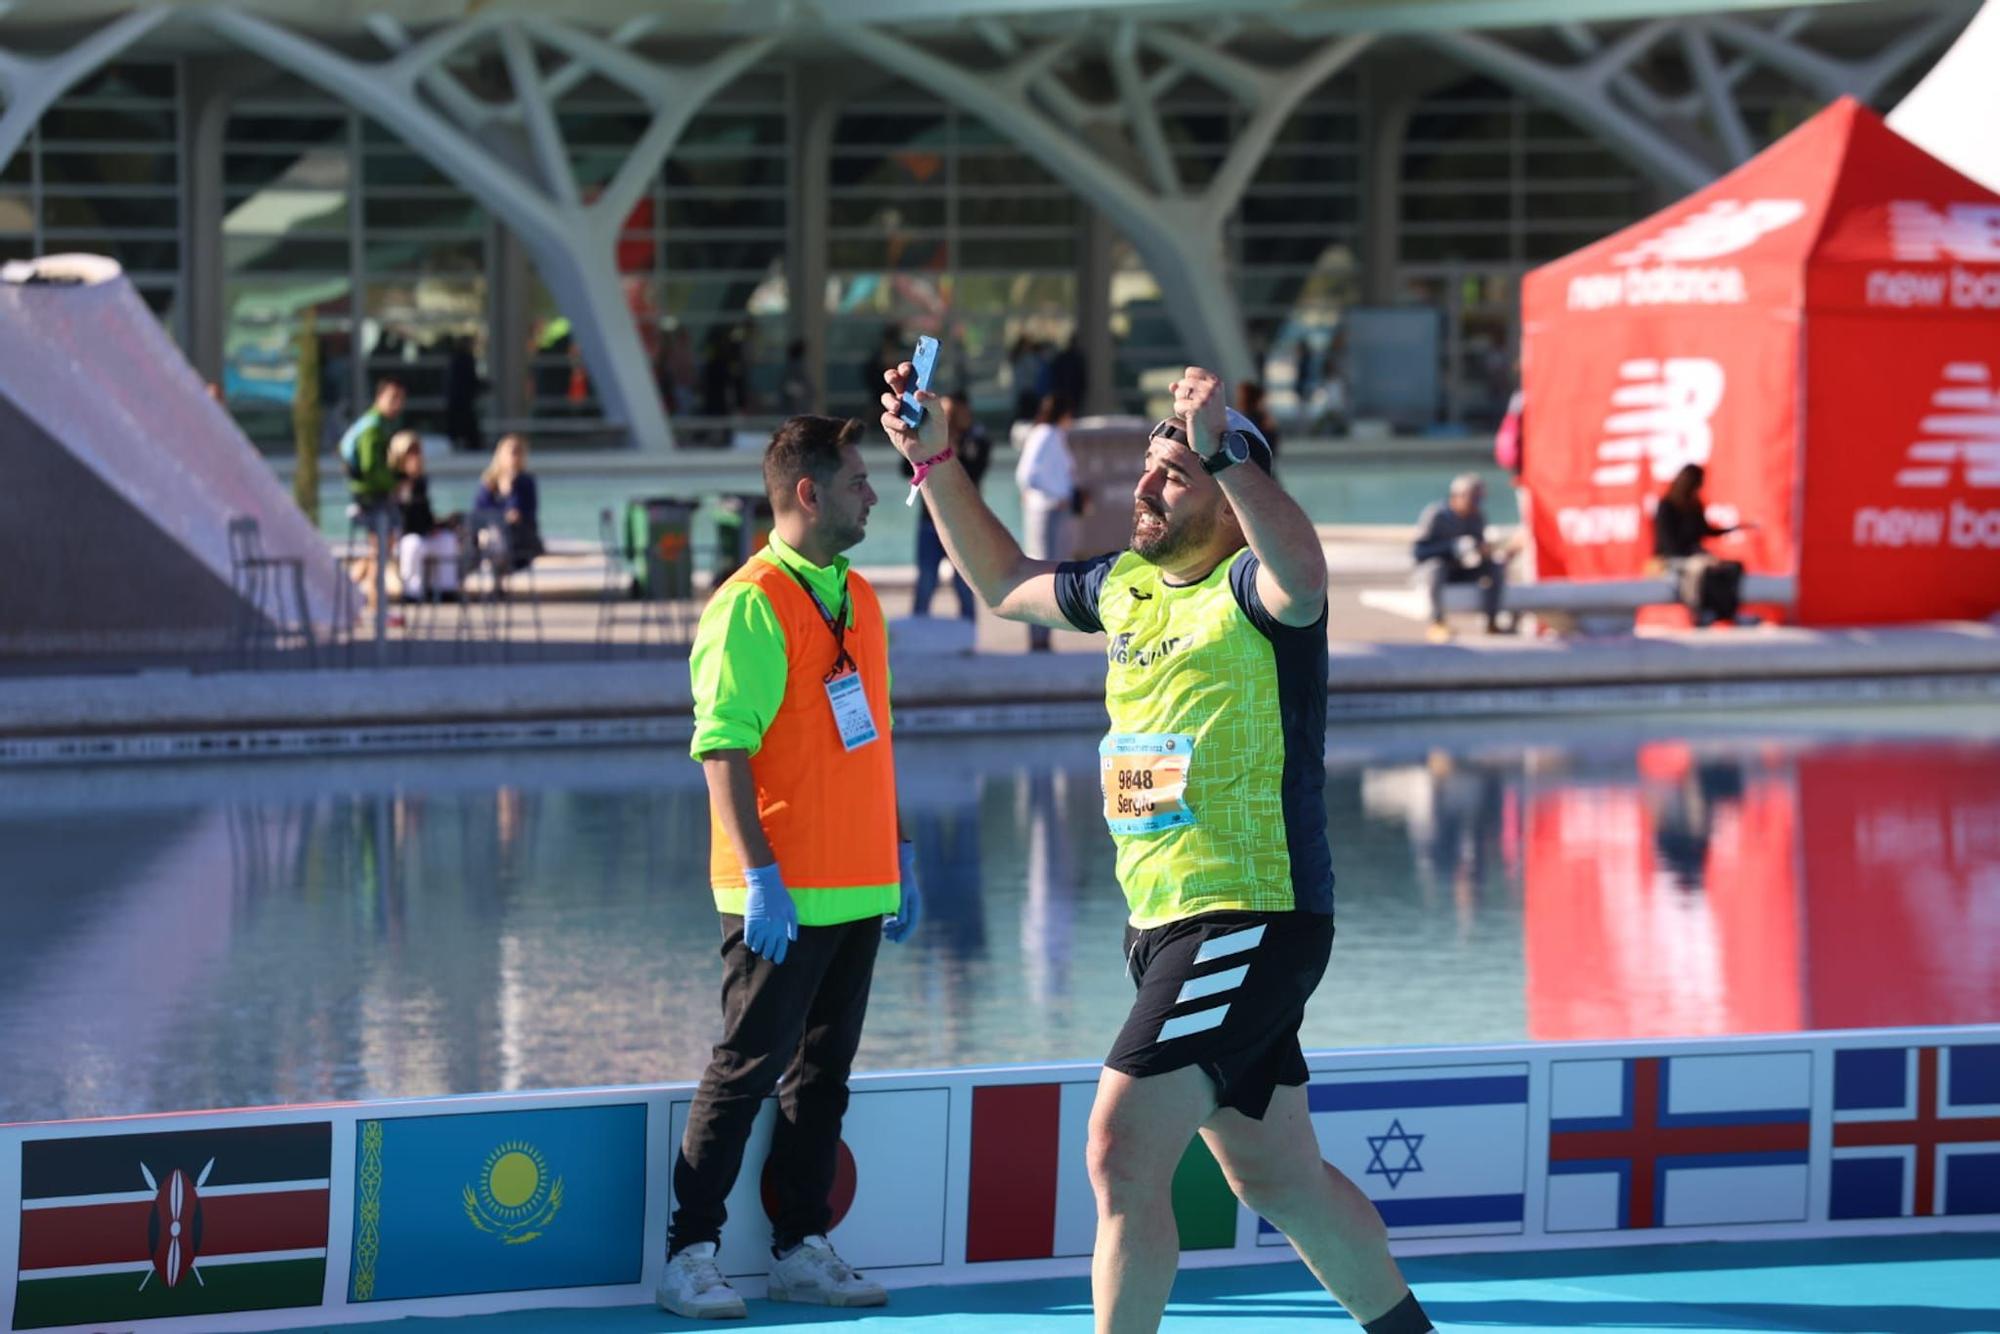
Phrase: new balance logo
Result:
[1968,233]
[1660,417]
[1723,228]
[1962,433]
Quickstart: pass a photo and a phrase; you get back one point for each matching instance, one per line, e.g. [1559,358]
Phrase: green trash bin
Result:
[659,540]
[742,527]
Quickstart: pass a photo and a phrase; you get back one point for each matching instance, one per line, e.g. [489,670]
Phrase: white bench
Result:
[1591,605]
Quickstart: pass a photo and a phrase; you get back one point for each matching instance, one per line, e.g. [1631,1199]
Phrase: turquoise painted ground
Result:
[1901,1285]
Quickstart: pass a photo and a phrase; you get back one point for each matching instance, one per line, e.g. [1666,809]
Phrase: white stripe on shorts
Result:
[1221,947]
[1198,1022]
[1207,985]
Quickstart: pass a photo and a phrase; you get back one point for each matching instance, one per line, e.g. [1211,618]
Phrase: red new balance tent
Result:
[1821,329]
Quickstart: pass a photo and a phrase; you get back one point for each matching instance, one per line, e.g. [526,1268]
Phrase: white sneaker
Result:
[813,1273]
[693,1286]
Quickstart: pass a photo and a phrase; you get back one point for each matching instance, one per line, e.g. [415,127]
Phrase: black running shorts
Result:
[1225,991]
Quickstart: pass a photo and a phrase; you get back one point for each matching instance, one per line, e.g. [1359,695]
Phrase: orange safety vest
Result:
[829,812]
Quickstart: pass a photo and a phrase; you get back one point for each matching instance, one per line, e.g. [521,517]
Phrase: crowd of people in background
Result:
[390,502]
[1049,383]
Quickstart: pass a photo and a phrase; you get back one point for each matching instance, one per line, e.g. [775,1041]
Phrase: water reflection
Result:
[219,935]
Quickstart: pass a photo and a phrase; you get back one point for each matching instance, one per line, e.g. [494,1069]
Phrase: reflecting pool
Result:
[228,934]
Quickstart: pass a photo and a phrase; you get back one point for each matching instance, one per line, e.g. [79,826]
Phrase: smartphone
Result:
[923,361]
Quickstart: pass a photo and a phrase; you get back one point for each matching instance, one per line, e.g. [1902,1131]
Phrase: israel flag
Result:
[1441,1150]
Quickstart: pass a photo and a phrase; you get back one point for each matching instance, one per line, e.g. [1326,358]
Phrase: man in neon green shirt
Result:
[1213,776]
[364,447]
[791,693]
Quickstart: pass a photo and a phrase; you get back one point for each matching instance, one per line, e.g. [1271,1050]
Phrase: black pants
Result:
[1490,575]
[1712,589]
[800,1019]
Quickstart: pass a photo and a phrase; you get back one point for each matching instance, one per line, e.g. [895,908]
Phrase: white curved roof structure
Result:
[1953,113]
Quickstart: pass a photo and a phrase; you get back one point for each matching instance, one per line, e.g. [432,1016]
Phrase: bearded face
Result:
[1178,510]
[1163,532]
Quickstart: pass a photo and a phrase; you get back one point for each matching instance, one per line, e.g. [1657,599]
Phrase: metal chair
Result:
[420,614]
[371,527]
[260,582]
[618,602]
[493,551]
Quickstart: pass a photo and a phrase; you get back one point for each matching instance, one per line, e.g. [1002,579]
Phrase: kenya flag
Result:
[116,1228]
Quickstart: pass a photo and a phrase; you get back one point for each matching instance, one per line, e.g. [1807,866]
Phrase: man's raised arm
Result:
[1291,575]
[1006,580]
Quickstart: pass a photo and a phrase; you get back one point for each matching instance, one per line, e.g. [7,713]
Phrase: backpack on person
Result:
[350,444]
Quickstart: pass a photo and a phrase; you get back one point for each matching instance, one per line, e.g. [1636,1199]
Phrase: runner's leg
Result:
[1275,1168]
[1139,1128]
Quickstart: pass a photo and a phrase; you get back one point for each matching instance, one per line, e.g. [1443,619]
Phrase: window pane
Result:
[453,212]
[124,167]
[158,212]
[282,255]
[735,129]
[279,209]
[415,255]
[69,122]
[134,79]
[17,213]
[902,253]
[1018,211]
[876,211]
[287,127]
[701,255]
[688,171]
[725,211]
[402,168]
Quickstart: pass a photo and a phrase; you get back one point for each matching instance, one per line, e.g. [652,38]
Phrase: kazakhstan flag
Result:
[498,1202]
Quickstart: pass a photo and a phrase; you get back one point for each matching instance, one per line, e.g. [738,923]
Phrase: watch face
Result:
[1238,446]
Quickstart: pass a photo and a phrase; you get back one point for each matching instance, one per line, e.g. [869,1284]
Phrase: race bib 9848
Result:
[1144,775]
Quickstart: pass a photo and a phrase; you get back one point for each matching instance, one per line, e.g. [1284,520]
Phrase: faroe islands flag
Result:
[1679,1141]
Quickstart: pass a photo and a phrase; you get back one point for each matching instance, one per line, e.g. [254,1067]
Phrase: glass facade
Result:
[102,173]
[330,222]
[938,225]
[935,223]
[1490,187]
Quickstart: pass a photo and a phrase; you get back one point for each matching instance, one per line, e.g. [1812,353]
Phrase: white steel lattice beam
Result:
[1583,94]
[1178,230]
[31,85]
[572,240]
[1830,77]
[1685,137]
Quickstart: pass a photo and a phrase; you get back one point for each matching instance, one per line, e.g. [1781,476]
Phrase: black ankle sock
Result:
[1405,1317]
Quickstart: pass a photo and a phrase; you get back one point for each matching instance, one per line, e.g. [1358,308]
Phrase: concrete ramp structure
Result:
[119,477]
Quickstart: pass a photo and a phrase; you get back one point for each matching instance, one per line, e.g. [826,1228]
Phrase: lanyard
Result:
[836,625]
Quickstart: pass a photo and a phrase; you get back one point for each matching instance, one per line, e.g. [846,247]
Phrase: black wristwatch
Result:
[1232,448]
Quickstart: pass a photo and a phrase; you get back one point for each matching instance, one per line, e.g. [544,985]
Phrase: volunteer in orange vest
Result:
[791,704]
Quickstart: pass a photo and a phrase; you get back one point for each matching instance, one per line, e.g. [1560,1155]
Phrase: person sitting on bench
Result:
[1451,548]
[1710,588]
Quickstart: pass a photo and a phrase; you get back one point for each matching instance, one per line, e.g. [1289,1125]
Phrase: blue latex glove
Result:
[770,921]
[896,929]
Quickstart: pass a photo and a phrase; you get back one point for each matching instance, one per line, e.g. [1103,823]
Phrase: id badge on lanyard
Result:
[845,694]
[850,710]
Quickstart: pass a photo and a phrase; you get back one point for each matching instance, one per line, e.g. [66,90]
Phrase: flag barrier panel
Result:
[272,1218]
